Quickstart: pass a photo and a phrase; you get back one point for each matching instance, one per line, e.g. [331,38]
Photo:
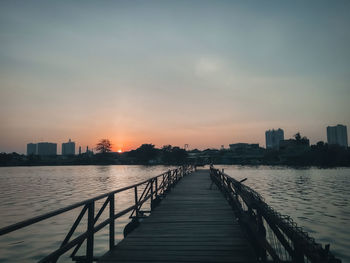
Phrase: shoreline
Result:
[172,164]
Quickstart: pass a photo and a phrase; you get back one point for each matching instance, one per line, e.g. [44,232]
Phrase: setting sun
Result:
[120,151]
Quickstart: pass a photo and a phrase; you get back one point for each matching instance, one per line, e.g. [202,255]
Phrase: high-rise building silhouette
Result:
[47,148]
[337,135]
[31,148]
[273,138]
[68,148]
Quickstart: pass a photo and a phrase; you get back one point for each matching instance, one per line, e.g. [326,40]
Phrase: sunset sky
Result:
[203,73]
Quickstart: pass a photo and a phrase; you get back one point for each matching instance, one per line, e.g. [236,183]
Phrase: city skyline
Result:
[120,149]
[205,74]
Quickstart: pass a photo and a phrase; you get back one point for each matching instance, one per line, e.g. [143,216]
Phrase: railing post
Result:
[156,187]
[111,223]
[169,179]
[163,183]
[136,203]
[298,256]
[262,233]
[230,192]
[90,233]
[152,194]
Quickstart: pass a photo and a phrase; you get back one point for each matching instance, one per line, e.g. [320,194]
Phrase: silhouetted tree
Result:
[300,139]
[173,155]
[104,146]
[166,153]
[145,153]
[11,159]
[320,144]
[179,155]
[297,136]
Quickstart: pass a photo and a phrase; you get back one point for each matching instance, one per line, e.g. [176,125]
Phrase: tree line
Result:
[320,154]
[146,153]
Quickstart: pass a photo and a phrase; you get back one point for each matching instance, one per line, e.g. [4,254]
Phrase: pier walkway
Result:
[192,224]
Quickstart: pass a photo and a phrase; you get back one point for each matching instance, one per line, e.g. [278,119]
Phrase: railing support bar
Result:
[101,210]
[152,198]
[156,187]
[262,233]
[76,223]
[136,202]
[90,235]
[111,223]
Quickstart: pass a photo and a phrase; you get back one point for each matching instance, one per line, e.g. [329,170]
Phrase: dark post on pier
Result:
[188,215]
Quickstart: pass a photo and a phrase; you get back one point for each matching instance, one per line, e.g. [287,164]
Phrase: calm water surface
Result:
[317,199]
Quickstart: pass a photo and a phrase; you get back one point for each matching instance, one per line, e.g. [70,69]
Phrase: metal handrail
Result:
[259,218]
[157,191]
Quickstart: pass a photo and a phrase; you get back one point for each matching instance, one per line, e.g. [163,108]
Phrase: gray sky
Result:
[205,73]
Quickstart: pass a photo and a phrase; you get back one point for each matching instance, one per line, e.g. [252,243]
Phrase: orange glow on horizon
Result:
[126,139]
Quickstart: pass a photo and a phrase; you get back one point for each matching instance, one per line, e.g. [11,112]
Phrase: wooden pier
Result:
[193,216]
[192,224]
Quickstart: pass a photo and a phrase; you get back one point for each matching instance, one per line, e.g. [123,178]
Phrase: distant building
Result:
[47,148]
[243,146]
[246,149]
[68,148]
[88,152]
[31,148]
[337,135]
[273,138]
[291,143]
[294,147]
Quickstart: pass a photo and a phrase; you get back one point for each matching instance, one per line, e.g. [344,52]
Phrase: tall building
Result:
[68,148]
[31,148]
[273,138]
[47,148]
[337,135]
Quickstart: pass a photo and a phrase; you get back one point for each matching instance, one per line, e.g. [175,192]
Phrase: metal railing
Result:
[155,189]
[275,237]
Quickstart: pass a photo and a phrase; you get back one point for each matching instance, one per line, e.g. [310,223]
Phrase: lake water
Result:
[317,199]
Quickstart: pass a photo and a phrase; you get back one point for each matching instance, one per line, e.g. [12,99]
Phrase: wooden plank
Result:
[192,224]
